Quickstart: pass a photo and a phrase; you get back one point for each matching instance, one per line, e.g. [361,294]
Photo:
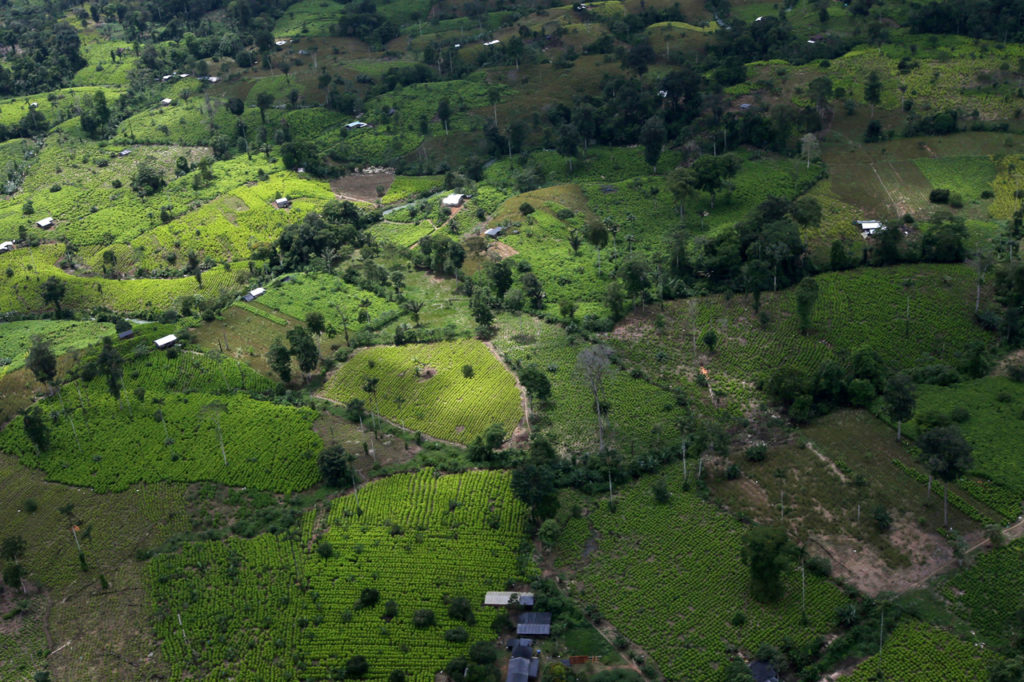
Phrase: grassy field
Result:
[62,335]
[669,577]
[210,429]
[424,388]
[419,539]
[341,304]
[855,309]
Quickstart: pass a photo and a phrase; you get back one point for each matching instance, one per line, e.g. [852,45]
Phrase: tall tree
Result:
[568,142]
[682,183]
[53,292]
[597,235]
[36,429]
[652,138]
[264,101]
[444,113]
[900,401]
[111,365]
[806,298]
[873,91]
[303,348]
[594,363]
[41,361]
[948,457]
[766,550]
[280,360]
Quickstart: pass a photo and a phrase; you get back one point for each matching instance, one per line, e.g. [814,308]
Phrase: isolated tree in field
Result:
[370,387]
[873,91]
[597,235]
[264,101]
[634,273]
[110,364]
[810,149]
[36,429]
[315,323]
[535,381]
[41,361]
[13,575]
[444,113]
[53,292]
[594,364]
[766,551]
[280,360]
[12,548]
[652,138]
[806,298]
[710,339]
[899,401]
[302,346]
[948,457]
[414,307]
[682,183]
[336,466]
[480,307]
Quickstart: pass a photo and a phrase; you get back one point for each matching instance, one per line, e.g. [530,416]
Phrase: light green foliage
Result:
[100,70]
[267,446]
[55,105]
[599,164]
[62,335]
[1009,180]
[968,176]
[422,388]
[856,308]
[308,17]
[837,222]
[261,312]
[408,187]
[422,99]
[994,428]
[402,234]
[651,567]
[406,540]
[640,414]
[325,294]
[990,593]
[32,266]
[918,652]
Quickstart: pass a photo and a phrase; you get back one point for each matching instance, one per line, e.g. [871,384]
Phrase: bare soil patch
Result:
[362,186]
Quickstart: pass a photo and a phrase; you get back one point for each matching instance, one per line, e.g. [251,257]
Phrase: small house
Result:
[495,231]
[213,79]
[124,152]
[518,641]
[257,292]
[283,202]
[491,43]
[6,246]
[46,223]
[182,75]
[534,623]
[280,43]
[126,334]
[166,341]
[506,598]
[167,77]
[166,101]
[33,105]
[453,200]
[868,228]
[356,124]
[522,666]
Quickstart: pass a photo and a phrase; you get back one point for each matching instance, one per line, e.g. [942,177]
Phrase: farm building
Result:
[491,43]
[165,101]
[522,666]
[254,294]
[869,227]
[357,124]
[534,624]
[6,246]
[495,231]
[126,334]
[124,152]
[506,598]
[453,200]
[45,223]
[281,43]
[283,202]
[166,341]
[520,641]
[763,672]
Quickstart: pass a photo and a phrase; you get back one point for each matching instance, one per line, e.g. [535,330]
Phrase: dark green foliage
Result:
[423,618]
[461,609]
[356,667]
[535,381]
[766,551]
[280,360]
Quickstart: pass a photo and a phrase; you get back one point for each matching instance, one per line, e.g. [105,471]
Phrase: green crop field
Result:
[990,594]
[639,413]
[333,298]
[994,428]
[62,335]
[858,308]
[308,17]
[110,444]
[402,234]
[272,607]
[422,387]
[669,577]
[917,652]
[968,176]
[407,187]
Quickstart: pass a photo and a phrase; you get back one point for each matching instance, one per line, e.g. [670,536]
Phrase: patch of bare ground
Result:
[860,564]
[362,186]
[502,249]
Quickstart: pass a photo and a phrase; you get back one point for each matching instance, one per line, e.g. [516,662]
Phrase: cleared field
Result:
[419,540]
[423,387]
[669,577]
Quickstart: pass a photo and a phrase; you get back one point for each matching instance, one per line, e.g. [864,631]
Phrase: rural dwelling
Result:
[165,101]
[506,598]
[6,246]
[124,152]
[166,341]
[868,228]
[453,200]
[763,672]
[495,231]
[283,202]
[357,124]
[538,623]
[491,43]
[45,223]
[126,334]
[522,666]
[254,294]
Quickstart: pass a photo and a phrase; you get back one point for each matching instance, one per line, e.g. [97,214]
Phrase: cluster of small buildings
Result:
[171,76]
[868,228]
[524,661]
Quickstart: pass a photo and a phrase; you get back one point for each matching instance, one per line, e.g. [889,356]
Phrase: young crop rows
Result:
[341,304]
[423,387]
[917,652]
[669,577]
[990,593]
[275,608]
[194,422]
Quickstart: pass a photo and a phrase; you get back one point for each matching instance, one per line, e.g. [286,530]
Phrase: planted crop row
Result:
[276,607]
[937,489]
[990,593]
[260,312]
[918,652]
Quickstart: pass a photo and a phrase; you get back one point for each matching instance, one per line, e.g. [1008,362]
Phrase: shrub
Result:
[460,609]
[423,618]
[939,196]
[467,371]
[955,200]
[390,609]
[31,506]
[55,187]
[757,453]
[456,635]
[883,521]
[819,566]
[368,597]
[959,414]
[739,619]
[356,667]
